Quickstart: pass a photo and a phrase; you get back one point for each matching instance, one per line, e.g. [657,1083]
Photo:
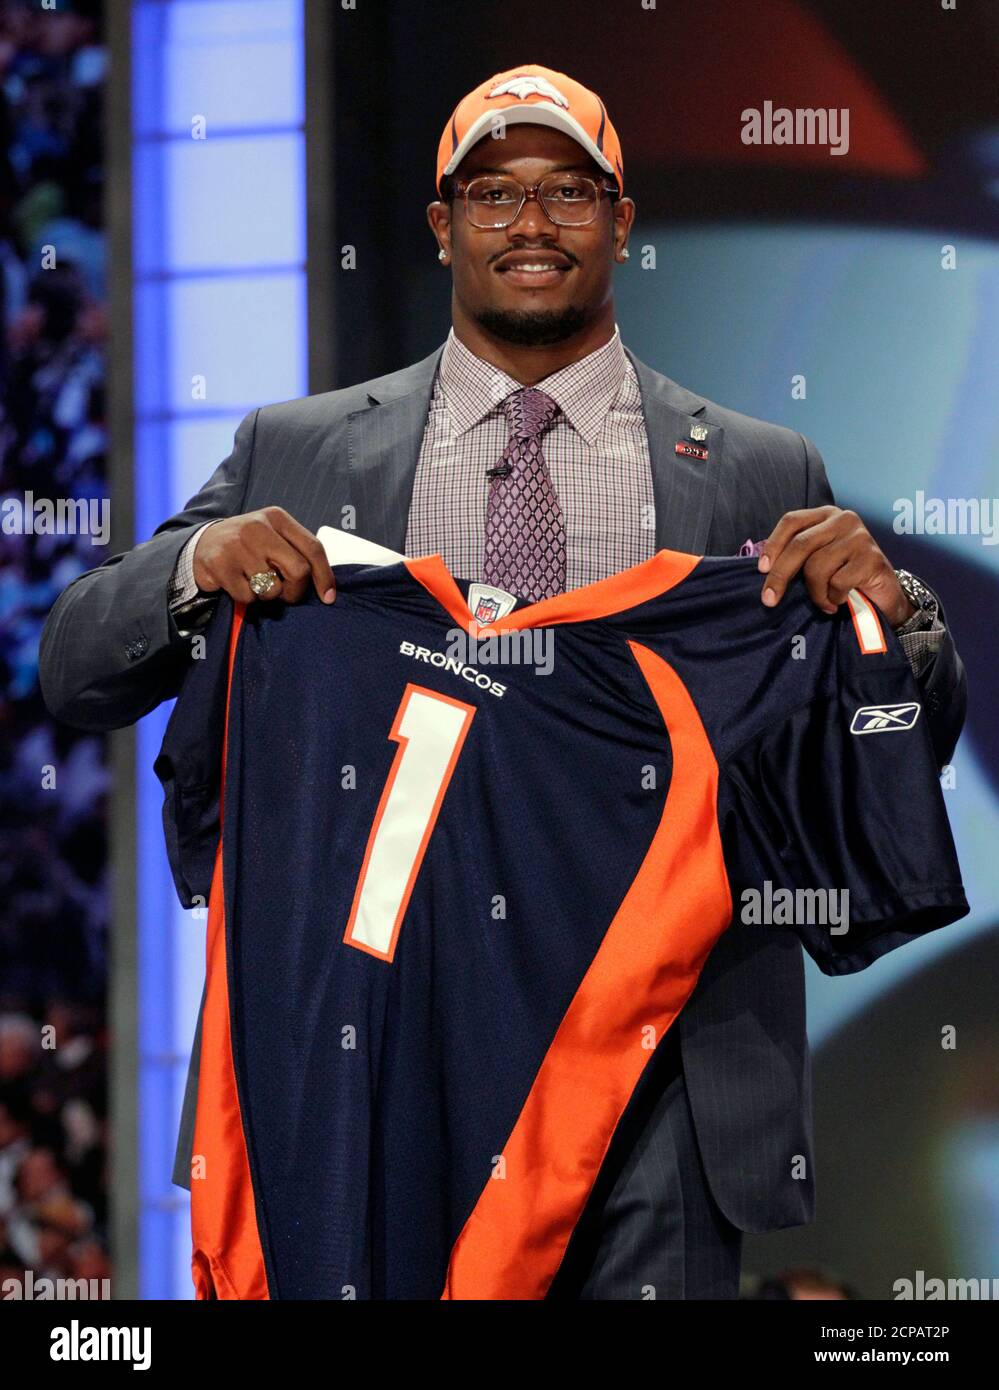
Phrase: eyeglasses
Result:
[495,200]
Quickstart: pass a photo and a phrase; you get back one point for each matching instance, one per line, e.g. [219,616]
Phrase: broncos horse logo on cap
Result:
[524,86]
[530,94]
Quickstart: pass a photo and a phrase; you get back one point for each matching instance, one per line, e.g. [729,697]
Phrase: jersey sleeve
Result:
[833,819]
[189,762]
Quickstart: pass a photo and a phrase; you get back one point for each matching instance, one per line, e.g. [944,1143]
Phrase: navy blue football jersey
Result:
[471,866]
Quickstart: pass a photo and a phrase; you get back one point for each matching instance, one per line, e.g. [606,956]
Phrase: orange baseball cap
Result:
[538,96]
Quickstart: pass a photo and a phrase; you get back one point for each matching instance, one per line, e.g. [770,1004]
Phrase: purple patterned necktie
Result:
[525,528]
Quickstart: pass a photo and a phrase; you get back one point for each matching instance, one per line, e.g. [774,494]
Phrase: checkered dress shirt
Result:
[597,454]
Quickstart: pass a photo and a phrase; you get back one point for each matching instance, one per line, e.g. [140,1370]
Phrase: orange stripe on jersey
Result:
[227,1260]
[613,595]
[866,623]
[641,977]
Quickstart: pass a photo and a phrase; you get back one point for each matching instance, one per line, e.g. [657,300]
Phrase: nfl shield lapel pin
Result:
[695,449]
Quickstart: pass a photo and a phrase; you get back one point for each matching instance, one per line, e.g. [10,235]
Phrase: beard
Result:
[532,327]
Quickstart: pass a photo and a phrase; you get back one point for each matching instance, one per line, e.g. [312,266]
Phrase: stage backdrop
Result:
[849,295]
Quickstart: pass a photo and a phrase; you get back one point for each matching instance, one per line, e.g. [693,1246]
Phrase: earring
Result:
[625,253]
[442,254]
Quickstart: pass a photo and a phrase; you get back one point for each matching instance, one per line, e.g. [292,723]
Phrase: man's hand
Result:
[230,551]
[836,553]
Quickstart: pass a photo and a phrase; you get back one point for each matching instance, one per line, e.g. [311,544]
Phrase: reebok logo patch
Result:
[884,719]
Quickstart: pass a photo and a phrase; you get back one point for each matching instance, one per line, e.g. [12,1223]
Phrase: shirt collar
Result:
[472,387]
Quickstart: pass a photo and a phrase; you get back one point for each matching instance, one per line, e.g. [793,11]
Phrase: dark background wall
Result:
[920,82]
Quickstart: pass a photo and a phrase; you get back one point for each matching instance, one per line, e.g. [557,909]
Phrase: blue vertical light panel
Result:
[220,327]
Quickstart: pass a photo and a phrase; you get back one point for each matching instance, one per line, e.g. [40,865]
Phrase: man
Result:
[608,462]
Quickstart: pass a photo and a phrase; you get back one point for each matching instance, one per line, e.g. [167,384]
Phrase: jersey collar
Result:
[615,594]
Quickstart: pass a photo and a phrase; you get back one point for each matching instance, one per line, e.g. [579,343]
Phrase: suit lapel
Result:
[383,448]
[683,488]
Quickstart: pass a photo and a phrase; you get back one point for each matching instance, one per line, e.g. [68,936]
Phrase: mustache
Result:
[556,250]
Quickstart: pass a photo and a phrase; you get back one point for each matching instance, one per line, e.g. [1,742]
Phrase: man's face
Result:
[491,285]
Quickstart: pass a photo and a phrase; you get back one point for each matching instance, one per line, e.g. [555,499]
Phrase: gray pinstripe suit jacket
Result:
[110,652]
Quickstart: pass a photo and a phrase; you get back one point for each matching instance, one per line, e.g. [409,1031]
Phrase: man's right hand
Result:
[230,551]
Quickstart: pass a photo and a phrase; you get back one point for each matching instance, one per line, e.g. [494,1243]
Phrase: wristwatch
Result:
[922,600]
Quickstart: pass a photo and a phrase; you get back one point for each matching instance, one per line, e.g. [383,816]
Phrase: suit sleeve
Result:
[942,680]
[818,493]
[110,649]
[834,821]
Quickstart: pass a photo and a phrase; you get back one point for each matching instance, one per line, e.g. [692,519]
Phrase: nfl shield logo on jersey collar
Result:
[487,604]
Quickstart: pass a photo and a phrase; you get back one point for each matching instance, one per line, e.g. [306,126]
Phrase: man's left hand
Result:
[836,553]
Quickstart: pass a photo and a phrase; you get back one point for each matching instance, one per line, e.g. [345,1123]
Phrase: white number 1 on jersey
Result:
[430,729]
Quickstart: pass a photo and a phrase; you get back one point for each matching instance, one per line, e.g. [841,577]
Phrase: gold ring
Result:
[263,582]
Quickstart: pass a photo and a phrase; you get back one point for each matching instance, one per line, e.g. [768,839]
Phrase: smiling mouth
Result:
[533,266]
[534,273]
